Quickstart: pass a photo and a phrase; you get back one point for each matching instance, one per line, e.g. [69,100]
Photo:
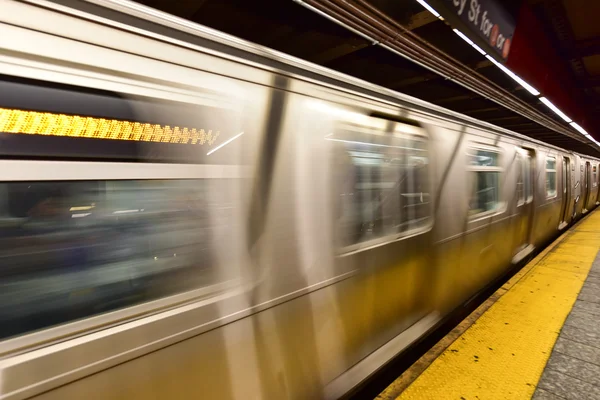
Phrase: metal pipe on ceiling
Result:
[362,17]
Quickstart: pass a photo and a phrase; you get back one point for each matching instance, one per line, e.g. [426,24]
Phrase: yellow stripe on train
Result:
[51,124]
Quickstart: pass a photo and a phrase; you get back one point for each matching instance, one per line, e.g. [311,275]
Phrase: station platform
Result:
[538,336]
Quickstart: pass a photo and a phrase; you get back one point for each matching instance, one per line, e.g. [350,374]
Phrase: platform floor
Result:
[573,370]
[538,335]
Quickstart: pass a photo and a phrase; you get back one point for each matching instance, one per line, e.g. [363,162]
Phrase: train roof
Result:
[141,19]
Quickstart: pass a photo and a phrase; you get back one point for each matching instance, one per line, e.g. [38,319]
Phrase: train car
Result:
[188,215]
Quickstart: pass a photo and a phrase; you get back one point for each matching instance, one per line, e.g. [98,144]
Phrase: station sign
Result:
[485,22]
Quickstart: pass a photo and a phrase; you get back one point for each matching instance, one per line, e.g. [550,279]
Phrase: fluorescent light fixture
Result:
[466,39]
[225,143]
[508,72]
[580,129]
[80,215]
[555,109]
[429,8]
[126,211]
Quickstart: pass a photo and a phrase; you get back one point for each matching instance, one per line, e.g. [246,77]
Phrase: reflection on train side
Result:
[384,188]
[485,171]
[69,250]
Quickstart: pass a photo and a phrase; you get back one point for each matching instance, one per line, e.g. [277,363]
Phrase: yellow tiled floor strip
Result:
[503,354]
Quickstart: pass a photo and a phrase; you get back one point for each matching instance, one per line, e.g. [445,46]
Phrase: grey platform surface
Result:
[573,370]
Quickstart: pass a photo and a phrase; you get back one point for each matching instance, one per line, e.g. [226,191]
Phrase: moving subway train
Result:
[187,215]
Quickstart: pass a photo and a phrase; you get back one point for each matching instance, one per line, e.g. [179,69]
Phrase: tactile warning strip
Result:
[503,354]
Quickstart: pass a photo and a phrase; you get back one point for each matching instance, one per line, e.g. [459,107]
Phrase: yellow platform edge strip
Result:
[503,354]
[52,124]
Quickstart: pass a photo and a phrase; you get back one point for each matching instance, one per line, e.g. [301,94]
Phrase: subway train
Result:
[188,215]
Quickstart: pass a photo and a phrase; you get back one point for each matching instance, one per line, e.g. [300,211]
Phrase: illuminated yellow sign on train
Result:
[51,124]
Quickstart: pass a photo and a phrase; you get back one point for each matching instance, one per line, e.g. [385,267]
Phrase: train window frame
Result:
[520,180]
[524,161]
[129,333]
[500,203]
[403,131]
[549,194]
[93,171]
[113,171]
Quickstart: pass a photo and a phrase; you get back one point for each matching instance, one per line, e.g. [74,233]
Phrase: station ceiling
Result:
[574,28]
[286,26]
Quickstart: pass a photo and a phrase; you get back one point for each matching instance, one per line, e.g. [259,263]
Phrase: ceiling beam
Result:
[584,48]
[530,125]
[508,118]
[482,110]
[591,82]
[416,21]
[430,76]
[420,19]
[185,9]
[454,99]
[341,50]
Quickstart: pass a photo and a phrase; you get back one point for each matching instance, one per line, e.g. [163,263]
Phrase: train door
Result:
[586,186]
[594,190]
[566,192]
[577,185]
[525,174]
[597,185]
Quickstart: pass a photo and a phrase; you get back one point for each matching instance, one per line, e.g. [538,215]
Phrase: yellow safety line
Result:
[503,354]
[412,373]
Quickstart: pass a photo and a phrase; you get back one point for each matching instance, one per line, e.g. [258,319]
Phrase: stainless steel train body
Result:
[187,215]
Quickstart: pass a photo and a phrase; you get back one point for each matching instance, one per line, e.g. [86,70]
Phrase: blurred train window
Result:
[383,187]
[60,121]
[74,249]
[485,172]
[595,179]
[524,194]
[550,177]
[520,180]
[527,180]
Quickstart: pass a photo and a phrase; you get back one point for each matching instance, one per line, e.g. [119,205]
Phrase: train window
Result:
[527,179]
[485,172]
[520,180]
[73,249]
[101,125]
[595,180]
[130,204]
[384,183]
[524,193]
[550,177]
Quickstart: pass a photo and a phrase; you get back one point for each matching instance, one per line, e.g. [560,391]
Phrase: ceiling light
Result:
[466,39]
[429,8]
[555,109]
[508,72]
[579,128]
